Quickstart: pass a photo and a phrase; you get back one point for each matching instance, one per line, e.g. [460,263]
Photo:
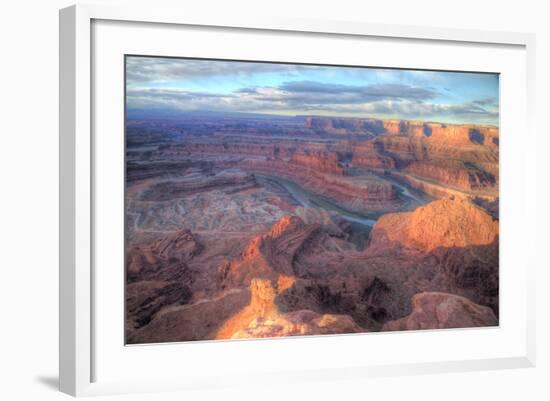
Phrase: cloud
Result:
[400,102]
[488,101]
[308,95]
[301,95]
[419,110]
[189,101]
[374,91]
[405,97]
[144,70]
[316,87]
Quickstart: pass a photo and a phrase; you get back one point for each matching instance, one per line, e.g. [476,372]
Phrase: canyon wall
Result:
[326,162]
[367,194]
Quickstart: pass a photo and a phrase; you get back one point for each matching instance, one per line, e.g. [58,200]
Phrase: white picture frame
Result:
[77,370]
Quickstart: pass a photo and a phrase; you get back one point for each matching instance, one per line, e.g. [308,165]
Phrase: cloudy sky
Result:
[208,85]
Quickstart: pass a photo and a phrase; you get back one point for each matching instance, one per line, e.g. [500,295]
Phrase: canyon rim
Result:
[269,199]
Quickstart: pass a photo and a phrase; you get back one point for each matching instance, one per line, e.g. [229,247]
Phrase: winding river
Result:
[361,224]
[308,199]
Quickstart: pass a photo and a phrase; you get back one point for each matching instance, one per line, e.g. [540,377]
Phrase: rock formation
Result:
[261,318]
[452,242]
[164,258]
[454,173]
[435,310]
[320,161]
[446,223]
[344,126]
[367,193]
[270,255]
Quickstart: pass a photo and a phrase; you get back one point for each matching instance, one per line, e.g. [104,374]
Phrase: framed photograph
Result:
[272,200]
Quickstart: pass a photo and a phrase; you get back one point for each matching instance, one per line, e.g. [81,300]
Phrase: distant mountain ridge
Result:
[173,114]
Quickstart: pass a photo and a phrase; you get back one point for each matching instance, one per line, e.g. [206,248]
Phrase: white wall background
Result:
[29,185]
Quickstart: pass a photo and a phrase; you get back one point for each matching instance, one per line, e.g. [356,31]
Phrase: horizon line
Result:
[282,115]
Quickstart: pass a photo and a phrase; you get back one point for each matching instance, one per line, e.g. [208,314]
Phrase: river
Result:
[308,199]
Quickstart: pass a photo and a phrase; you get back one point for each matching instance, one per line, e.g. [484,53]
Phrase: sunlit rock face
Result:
[435,310]
[325,162]
[465,176]
[452,242]
[271,254]
[446,223]
[261,318]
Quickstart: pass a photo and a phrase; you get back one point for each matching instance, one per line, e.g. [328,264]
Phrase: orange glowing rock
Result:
[261,318]
[444,223]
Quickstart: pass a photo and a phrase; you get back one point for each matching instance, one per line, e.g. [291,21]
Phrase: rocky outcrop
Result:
[369,154]
[453,134]
[436,310]
[165,258]
[405,149]
[189,322]
[194,183]
[261,318]
[344,126]
[235,147]
[465,176]
[158,275]
[446,223]
[269,255]
[145,298]
[449,245]
[362,194]
[320,161]
[367,298]
[438,190]
[181,245]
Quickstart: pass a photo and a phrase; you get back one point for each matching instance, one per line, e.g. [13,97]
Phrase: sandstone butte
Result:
[262,319]
[436,310]
[445,223]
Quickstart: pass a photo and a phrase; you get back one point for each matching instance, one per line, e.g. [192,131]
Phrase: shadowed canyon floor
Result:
[245,227]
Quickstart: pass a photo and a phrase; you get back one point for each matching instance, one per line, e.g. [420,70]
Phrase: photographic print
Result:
[271,199]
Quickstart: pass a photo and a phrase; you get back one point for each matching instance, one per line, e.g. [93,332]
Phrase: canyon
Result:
[266,226]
